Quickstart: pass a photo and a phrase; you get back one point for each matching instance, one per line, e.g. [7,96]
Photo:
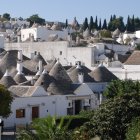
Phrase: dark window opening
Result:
[20,113]
[60,52]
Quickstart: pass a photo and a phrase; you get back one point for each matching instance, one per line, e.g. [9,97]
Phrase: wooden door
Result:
[35,112]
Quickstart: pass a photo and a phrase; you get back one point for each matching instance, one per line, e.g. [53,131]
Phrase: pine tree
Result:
[91,24]
[66,24]
[104,24]
[133,24]
[100,25]
[114,17]
[85,24]
[128,26]
[111,18]
[96,23]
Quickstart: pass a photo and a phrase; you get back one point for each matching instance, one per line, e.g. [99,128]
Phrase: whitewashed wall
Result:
[42,32]
[45,104]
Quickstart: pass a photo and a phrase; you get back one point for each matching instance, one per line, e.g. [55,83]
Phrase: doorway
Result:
[35,112]
[78,105]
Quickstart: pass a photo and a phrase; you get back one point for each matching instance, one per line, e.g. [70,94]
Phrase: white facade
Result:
[1,41]
[67,55]
[137,34]
[59,105]
[41,33]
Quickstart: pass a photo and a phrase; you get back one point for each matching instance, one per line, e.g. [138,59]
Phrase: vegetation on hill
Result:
[36,19]
[132,24]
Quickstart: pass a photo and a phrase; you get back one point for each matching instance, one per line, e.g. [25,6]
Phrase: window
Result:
[20,113]
[69,104]
[60,52]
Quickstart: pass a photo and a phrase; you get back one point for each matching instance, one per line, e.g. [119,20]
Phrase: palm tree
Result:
[46,129]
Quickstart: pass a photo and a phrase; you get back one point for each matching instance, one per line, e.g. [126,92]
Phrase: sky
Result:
[60,10]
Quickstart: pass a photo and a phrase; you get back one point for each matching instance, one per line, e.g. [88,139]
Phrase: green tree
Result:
[128,25]
[46,129]
[111,18]
[105,33]
[66,24]
[120,87]
[100,25]
[85,24]
[116,23]
[137,23]
[5,102]
[91,23]
[96,23]
[104,25]
[6,16]
[112,118]
[114,17]
[36,19]
[133,132]
[133,24]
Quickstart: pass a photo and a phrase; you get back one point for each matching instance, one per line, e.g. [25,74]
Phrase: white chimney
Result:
[20,55]
[6,73]
[19,67]
[40,66]
[101,98]
[80,78]
[116,57]
[44,71]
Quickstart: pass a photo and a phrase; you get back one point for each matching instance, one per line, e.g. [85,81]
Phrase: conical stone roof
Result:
[60,75]
[44,80]
[7,80]
[102,74]
[78,70]
[20,78]
[56,89]
[49,66]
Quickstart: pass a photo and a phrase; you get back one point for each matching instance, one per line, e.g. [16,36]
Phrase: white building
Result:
[137,34]
[42,33]
[34,102]
[1,41]
[67,54]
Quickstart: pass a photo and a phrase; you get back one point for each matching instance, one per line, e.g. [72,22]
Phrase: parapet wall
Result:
[48,50]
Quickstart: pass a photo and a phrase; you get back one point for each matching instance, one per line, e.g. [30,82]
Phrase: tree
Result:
[105,33]
[66,24]
[112,118]
[104,24]
[85,24]
[96,23]
[137,23]
[100,25]
[6,16]
[5,102]
[114,17]
[91,23]
[128,25]
[116,23]
[36,19]
[133,132]
[111,18]
[133,24]
[120,87]
[46,129]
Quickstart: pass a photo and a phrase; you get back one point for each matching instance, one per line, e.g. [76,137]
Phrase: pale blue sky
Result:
[59,10]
